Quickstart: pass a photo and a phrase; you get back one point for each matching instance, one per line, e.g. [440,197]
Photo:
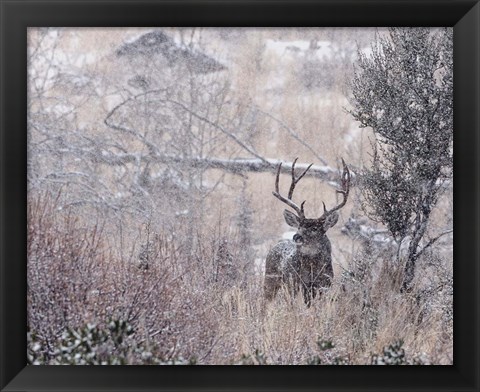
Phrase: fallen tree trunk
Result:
[238,166]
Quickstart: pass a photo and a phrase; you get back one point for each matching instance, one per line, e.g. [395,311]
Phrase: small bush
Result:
[394,354]
[92,345]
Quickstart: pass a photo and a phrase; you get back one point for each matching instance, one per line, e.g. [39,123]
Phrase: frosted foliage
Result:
[404,92]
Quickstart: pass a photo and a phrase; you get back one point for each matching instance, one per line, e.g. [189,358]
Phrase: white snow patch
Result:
[259,266]
[182,213]
[288,235]
[351,135]
[321,49]
[367,52]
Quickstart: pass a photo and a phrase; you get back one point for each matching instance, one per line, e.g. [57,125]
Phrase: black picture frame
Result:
[17,15]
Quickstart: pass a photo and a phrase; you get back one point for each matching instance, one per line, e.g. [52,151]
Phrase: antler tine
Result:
[301,207]
[345,177]
[292,185]
[289,202]
[345,183]
[295,180]
[277,179]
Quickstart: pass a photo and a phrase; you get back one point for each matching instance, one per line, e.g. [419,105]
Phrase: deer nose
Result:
[298,239]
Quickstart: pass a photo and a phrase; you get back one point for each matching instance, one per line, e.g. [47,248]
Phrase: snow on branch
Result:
[359,229]
[235,166]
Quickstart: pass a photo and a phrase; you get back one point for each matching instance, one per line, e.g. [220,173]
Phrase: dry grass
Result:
[188,303]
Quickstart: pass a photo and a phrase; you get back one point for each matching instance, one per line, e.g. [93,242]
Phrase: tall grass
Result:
[198,304]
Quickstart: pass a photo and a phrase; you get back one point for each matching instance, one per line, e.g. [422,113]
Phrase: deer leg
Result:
[307,295]
[314,292]
[271,287]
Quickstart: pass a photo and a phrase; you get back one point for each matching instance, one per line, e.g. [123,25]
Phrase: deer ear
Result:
[291,219]
[330,221]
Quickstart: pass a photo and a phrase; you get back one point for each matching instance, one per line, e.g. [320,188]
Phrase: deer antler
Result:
[345,184]
[295,180]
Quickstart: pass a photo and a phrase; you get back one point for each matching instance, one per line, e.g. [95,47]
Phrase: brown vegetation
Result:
[184,308]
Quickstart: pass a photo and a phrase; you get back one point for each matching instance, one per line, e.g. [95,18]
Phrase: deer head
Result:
[310,231]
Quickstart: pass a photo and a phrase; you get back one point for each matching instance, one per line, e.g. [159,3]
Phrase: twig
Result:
[294,135]
[432,241]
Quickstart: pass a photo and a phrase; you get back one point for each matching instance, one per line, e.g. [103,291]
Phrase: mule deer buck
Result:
[306,262]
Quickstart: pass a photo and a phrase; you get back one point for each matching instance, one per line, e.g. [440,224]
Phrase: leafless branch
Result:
[295,136]
[432,241]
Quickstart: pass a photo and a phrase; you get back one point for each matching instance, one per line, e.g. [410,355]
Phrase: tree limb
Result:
[234,166]
[294,135]
[432,241]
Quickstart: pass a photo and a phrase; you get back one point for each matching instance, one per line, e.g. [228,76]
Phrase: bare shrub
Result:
[73,278]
